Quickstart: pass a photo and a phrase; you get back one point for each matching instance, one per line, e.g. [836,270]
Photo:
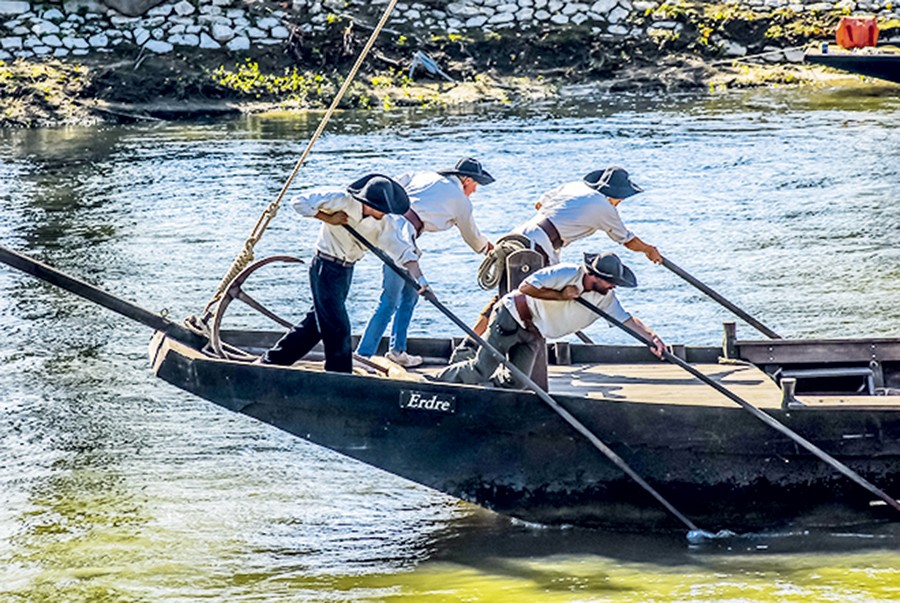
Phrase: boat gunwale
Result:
[197,355]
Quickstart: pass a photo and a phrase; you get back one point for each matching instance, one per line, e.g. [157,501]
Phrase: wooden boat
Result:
[511,451]
[881,65]
[507,451]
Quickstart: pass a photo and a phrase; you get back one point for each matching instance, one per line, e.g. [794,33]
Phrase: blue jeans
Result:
[398,300]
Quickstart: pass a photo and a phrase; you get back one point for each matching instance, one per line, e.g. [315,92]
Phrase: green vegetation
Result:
[670,11]
[774,32]
[703,23]
[726,13]
[308,73]
[382,81]
[393,78]
[662,37]
[291,85]
[313,90]
[451,38]
[39,93]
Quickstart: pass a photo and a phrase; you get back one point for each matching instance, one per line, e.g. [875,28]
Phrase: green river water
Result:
[116,487]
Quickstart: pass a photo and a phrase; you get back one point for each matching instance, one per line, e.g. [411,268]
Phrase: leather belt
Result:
[415,220]
[542,253]
[547,226]
[525,312]
[338,261]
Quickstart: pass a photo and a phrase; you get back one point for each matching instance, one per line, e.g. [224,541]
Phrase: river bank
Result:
[55,92]
[135,76]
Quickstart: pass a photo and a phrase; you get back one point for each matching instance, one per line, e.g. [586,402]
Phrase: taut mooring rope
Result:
[246,255]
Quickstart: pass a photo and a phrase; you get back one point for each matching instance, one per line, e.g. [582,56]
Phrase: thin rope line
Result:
[246,255]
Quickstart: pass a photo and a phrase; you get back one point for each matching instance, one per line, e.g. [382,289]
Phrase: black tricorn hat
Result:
[610,268]
[612,182]
[469,168]
[381,193]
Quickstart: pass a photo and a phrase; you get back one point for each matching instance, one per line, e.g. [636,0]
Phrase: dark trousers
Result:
[327,322]
[507,337]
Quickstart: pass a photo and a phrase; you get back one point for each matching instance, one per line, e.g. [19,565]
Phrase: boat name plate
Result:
[418,400]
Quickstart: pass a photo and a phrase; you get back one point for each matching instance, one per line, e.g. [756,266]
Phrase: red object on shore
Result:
[857,32]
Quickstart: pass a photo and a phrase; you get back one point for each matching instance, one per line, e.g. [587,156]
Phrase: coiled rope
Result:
[246,254]
[493,266]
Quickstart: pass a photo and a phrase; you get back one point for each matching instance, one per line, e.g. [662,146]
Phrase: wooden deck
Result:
[666,383]
[656,383]
[640,382]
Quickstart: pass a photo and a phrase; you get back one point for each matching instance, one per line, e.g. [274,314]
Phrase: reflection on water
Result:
[115,487]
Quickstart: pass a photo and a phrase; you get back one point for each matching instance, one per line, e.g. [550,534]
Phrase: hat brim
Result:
[399,194]
[620,192]
[615,192]
[483,178]
[593,179]
[627,280]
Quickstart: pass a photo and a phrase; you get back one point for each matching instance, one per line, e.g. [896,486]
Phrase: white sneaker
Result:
[404,359]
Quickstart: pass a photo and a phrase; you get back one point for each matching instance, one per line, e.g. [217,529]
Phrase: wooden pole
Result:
[98,296]
[710,292]
[771,422]
[523,378]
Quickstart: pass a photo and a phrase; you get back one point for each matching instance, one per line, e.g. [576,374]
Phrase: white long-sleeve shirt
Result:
[393,234]
[560,318]
[577,211]
[441,204]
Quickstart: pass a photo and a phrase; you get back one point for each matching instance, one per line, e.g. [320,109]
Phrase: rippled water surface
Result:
[117,487]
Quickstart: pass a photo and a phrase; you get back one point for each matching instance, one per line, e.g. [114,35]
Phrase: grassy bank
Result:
[516,67]
[43,93]
[53,92]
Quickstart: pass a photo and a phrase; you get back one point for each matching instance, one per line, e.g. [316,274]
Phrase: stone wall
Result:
[80,27]
[611,16]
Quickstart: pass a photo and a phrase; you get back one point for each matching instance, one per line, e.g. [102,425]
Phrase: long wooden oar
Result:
[98,296]
[773,423]
[710,292]
[523,378]
[584,338]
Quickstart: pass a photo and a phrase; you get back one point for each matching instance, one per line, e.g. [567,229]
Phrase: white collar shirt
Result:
[556,319]
[440,203]
[393,234]
[577,211]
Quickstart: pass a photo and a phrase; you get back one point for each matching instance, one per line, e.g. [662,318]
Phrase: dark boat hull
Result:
[507,451]
[882,66]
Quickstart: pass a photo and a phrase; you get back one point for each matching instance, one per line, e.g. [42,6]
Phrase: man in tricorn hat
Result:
[579,209]
[438,201]
[544,307]
[569,212]
[363,205]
